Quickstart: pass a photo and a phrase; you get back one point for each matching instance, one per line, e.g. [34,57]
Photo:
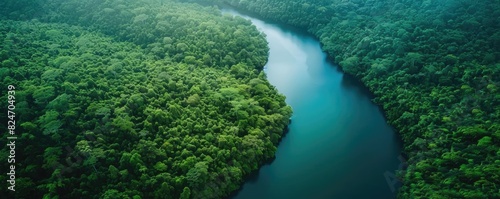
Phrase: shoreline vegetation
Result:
[147,99]
[433,66]
[135,99]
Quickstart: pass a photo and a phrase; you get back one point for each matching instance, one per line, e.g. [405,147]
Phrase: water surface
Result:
[338,144]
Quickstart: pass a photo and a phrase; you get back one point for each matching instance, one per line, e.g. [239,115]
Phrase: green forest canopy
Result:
[135,99]
[434,66]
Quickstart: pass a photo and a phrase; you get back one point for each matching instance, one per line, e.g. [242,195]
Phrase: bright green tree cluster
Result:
[135,99]
[434,66]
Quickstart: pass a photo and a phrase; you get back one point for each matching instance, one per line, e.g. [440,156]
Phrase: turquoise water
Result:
[338,145]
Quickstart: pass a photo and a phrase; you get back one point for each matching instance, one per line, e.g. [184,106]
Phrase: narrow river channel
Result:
[338,145]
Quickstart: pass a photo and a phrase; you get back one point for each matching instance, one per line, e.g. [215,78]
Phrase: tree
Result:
[197,175]
[60,103]
[190,60]
[134,102]
[43,94]
[484,142]
[50,124]
[51,157]
[186,193]
[350,65]
[160,166]
[113,194]
[51,75]
[239,70]
[123,124]
[113,172]
[193,99]
[207,60]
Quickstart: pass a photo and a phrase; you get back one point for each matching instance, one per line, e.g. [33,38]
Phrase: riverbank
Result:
[336,130]
[442,98]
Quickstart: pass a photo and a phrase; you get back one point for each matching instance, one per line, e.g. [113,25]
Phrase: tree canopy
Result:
[433,66]
[136,99]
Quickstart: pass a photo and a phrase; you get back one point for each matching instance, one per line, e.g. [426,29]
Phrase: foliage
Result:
[434,66]
[136,99]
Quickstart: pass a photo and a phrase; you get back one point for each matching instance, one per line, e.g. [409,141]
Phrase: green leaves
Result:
[484,142]
[60,103]
[113,172]
[193,99]
[433,72]
[112,194]
[43,94]
[135,102]
[159,96]
[197,175]
[51,74]
[351,65]
[186,193]
[50,123]
[123,123]
[51,157]
[160,166]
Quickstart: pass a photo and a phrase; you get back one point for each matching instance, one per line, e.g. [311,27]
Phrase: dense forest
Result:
[167,99]
[434,67]
[134,99]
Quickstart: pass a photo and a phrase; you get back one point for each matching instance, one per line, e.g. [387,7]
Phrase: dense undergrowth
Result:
[135,99]
[434,67]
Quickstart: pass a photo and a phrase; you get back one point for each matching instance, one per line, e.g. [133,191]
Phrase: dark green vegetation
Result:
[135,99]
[434,67]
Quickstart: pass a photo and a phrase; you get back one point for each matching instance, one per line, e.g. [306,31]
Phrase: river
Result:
[338,145]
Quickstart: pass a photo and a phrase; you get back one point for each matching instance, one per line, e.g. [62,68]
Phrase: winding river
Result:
[338,145]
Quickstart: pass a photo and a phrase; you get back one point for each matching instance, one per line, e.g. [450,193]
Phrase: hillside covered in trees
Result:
[134,99]
[434,67]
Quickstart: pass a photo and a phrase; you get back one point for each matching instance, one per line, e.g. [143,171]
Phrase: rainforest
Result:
[170,99]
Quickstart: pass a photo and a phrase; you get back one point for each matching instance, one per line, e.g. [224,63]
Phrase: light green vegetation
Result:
[135,99]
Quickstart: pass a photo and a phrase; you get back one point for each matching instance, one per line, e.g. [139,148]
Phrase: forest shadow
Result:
[253,176]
